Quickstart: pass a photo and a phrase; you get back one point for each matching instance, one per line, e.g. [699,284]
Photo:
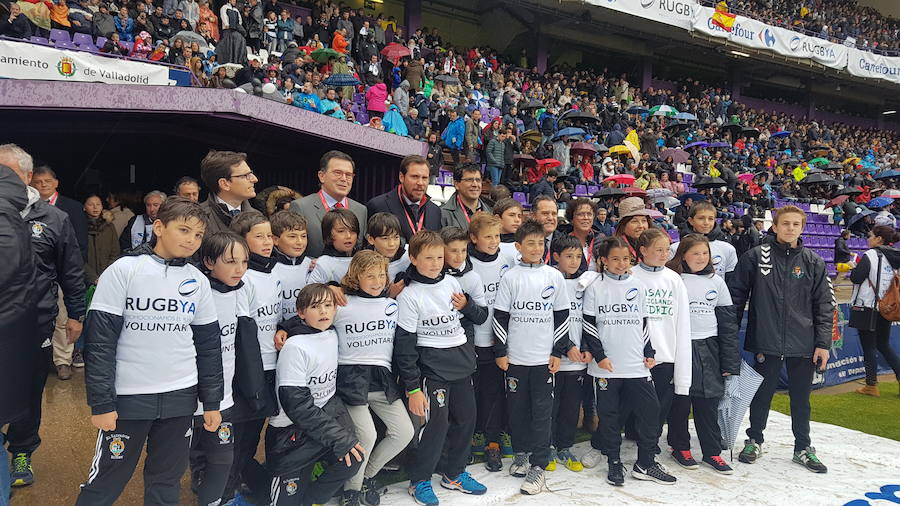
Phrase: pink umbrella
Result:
[746,178]
[655,214]
[626,179]
[891,194]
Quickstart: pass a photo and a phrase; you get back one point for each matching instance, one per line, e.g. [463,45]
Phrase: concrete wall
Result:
[887,7]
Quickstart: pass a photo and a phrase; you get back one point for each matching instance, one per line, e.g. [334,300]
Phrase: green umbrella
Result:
[819,161]
[663,110]
[323,55]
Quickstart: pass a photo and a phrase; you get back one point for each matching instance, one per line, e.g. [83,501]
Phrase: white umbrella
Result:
[739,392]
[189,37]
[663,110]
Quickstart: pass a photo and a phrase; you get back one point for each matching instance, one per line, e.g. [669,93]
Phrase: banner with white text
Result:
[874,66]
[21,60]
[678,13]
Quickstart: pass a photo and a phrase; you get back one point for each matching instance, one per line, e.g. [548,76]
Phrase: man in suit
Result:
[408,201]
[230,183]
[466,201]
[336,171]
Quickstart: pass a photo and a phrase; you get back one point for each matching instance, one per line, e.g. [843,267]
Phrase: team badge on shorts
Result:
[224,433]
[440,395]
[512,384]
[116,448]
[602,384]
[291,486]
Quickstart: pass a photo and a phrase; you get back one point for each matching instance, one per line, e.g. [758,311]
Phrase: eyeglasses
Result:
[343,175]
[471,180]
[586,214]
[246,176]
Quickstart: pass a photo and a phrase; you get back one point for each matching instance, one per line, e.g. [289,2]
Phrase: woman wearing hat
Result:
[634,219]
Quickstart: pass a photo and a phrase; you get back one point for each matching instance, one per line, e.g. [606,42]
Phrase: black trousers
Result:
[529,395]
[880,340]
[617,400]
[23,436]
[567,389]
[490,398]
[588,399]
[295,489]
[118,451]
[449,424]
[800,375]
[706,422]
[245,468]
[665,393]
[212,454]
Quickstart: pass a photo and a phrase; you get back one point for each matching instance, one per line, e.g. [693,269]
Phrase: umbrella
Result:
[268,91]
[532,104]
[532,135]
[819,178]
[859,216]
[880,202]
[655,214]
[697,145]
[609,193]
[323,55]
[750,132]
[691,195]
[678,155]
[636,109]
[674,127]
[395,51]
[633,191]
[447,79]
[820,160]
[709,182]
[230,68]
[891,194]
[783,133]
[620,149]
[548,163]
[626,179]
[746,177]
[575,116]
[659,193]
[766,174]
[850,190]
[886,174]
[602,148]
[635,153]
[789,161]
[840,199]
[568,131]
[525,159]
[188,37]
[686,116]
[663,110]
[582,148]
[719,144]
[853,160]
[340,80]
[832,166]
[739,393]
[815,171]
[732,129]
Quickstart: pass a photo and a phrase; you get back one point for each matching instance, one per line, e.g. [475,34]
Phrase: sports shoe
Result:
[64,372]
[656,472]
[616,474]
[719,464]
[566,458]
[685,459]
[370,495]
[350,498]
[78,359]
[591,458]
[807,457]
[464,483]
[519,466]
[423,494]
[534,481]
[751,453]
[551,462]
[492,460]
[478,443]
[506,446]
[22,474]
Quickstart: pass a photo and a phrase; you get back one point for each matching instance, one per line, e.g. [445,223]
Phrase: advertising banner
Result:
[20,60]
[874,66]
[797,45]
[678,13]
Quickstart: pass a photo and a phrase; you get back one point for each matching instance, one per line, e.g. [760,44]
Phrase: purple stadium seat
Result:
[58,36]
[674,235]
[522,199]
[63,44]
[592,190]
[581,190]
[128,45]
[101,41]
[828,255]
[445,178]
[40,40]
[83,40]
[687,177]
[832,270]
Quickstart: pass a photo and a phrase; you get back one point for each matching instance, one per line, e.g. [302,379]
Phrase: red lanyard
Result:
[421,211]
[52,199]
[344,202]
[590,252]
[465,209]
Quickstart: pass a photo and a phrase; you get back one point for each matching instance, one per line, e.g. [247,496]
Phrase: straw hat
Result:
[632,206]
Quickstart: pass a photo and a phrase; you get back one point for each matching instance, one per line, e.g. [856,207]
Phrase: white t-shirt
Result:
[293,279]
[265,309]
[329,269]
[575,288]
[722,255]
[705,293]
[397,266]
[365,328]
[307,360]
[229,306]
[427,310]
[490,273]
[619,311]
[155,352]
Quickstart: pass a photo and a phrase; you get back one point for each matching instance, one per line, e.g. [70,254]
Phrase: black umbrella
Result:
[789,161]
[532,104]
[447,79]
[606,193]
[833,166]
[750,132]
[732,129]
[574,116]
[674,127]
[709,182]
[850,190]
[818,178]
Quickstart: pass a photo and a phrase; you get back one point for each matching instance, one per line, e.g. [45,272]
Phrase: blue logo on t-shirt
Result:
[712,295]
[631,294]
[188,287]
[548,292]
[391,309]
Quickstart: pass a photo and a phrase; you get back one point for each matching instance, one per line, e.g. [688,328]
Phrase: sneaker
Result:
[64,372]
[492,460]
[506,446]
[616,474]
[534,481]
[478,443]
[591,458]
[685,459]
[719,464]
[807,457]
[370,495]
[78,359]
[22,474]
[423,494]
[751,452]
[464,483]
[350,498]
[568,459]
[519,466]
[551,462]
[656,472]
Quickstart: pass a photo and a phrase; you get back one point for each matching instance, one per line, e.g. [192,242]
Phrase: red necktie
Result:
[338,205]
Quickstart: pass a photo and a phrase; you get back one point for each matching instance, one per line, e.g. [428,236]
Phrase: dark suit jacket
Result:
[78,219]
[390,203]
[310,207]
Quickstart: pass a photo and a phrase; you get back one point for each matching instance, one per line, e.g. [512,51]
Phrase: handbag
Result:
[861,317]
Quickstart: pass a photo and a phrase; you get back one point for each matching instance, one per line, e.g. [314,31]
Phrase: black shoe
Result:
[492,458]
[350,498]
[616,474]
[371,494]
[751,452]
[719,464]
[685,459]
[655,472]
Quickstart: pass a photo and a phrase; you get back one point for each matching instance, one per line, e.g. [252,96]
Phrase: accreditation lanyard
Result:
[344,203]
[465,209]
[407,213]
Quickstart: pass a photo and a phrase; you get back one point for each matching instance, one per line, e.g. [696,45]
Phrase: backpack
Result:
[889,304]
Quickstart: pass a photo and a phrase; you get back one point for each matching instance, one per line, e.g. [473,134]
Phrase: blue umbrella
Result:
[568,131]
[886,174]
[340,80]
[697,145]
[858,216]
[694,196]
[636,109]
[783,133]
[879,203]
[686,116]
[719,145]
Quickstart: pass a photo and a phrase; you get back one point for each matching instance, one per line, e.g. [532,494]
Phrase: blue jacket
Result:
[393,122]
[542,187]
[126,33]
[308,101]
[454,135]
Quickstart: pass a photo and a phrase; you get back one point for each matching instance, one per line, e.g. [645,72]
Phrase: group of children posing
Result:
[457,330]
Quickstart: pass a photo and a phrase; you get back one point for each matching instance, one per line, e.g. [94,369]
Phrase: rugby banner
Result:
[20,60]
[678,13]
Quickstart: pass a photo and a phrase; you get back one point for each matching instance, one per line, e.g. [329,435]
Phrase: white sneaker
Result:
[534,481]
[592,458]
[520,465]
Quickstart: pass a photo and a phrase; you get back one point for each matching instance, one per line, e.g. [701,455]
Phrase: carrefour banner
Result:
[20,60]
[678,13]
[874,66]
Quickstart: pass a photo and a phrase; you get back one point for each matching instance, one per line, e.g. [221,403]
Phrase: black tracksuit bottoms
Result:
[706,422]
[449,424]
[800,372]
[567,387]
[617,399]
[665,393]
[529,395]
[118,451]
[212,454]
[245,467]
[23,435]
[296,489]
[490,398]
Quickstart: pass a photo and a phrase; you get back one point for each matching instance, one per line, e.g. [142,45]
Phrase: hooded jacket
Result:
[401,98]
[18,342]
[375,97]
[454,135]
[103,248]
[790,296]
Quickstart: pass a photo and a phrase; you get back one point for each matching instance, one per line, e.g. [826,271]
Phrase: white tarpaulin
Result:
[678,13]
[20,60]
[874,66]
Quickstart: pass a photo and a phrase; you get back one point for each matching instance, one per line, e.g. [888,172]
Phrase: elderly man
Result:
[140,227]
[59,264]
[188,188]
[336,171]
[230,182]
[466,201]
[408,201]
